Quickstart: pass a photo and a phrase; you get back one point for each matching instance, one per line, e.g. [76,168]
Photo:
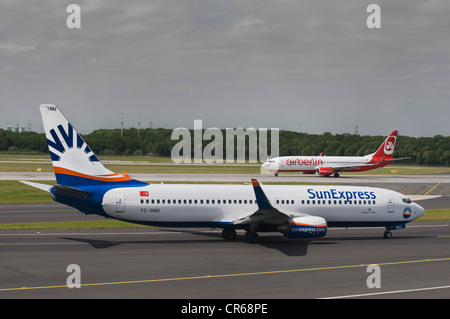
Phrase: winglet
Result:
[261,198]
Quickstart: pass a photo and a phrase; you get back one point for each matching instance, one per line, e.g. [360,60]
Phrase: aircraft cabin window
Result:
[142,201]
[147,201]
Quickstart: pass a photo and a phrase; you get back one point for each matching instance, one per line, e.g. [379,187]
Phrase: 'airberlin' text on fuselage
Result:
[335,194]
[299,161]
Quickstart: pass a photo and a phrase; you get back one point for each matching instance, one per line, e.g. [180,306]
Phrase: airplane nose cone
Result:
[266,165]
[420,211]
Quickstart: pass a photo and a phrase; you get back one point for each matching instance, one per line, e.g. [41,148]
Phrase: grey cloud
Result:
[254,63]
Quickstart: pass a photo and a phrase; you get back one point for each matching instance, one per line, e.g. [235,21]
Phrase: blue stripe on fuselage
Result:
[92,204]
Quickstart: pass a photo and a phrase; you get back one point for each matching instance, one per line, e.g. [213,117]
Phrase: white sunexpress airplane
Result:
[329,165]
[295,211]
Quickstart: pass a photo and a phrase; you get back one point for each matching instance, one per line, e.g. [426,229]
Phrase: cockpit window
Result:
[407,201]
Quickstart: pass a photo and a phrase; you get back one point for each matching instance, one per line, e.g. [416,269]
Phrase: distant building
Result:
[17,129]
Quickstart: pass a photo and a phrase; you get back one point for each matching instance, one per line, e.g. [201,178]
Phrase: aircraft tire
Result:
[387,235]
[228,233]
[251,237]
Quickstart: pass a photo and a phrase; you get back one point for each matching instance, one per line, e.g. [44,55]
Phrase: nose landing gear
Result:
[387,234]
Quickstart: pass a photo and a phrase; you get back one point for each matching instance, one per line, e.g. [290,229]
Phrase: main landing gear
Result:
[251,237]
[228,233]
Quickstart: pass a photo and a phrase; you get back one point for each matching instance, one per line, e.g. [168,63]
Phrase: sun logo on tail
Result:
[59,146]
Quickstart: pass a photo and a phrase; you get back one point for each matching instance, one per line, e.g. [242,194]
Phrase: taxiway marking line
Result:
[432,188]
[227,275]
[388,292]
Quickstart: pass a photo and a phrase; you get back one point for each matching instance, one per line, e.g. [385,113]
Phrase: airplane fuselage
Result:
[310,164]
[221,205]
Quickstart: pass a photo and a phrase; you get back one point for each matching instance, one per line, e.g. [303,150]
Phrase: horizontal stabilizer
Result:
[44,187]
[396,159]
[70,191]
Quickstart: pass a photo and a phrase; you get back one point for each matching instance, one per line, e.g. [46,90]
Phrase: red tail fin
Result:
[387,148]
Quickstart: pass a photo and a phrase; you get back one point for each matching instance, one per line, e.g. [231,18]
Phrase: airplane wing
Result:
[396,159]
[266,212]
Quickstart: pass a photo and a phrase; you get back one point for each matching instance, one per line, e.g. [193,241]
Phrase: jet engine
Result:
[306,227]
[325,171]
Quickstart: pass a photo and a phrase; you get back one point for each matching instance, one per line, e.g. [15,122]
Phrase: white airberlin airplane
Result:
[295,211]
[329,165]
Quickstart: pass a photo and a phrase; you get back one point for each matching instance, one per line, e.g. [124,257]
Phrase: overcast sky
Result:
[230,63]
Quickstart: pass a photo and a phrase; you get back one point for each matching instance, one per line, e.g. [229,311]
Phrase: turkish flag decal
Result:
[143,193]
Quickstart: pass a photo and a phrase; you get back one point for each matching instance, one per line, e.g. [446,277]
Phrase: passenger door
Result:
[120,203]
[390,205]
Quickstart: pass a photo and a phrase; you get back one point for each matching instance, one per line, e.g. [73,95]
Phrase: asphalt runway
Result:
[198,264]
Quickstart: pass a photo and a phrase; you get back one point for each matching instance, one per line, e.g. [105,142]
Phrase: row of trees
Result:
[423,150]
